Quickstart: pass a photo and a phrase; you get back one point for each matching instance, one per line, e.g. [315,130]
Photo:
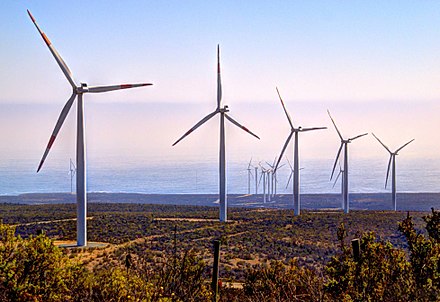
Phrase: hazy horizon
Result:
[374,65]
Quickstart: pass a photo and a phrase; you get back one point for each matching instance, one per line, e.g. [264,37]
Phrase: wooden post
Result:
[215,270]
[175,248]
[356,245]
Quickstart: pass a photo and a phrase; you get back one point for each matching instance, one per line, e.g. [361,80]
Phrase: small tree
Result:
[381,273]
[279,282]
[34,269]
[424,256]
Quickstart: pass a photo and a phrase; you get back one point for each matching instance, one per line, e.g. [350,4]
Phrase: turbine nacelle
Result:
[82,89]
[224,109]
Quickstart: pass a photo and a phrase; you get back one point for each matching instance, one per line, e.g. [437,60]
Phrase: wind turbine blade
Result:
[388,170]
[337,177]
[72,165]
[58,125]
[404,145]
[291,168]
[202,121]
[381,143]
[356,137]
[285,110]
[284,149]
[97,89]
[311,129]
[336,160]
[261,175]
[240,126]
[250,163]
[56,55]
[334,124]
[290,177]
[219,80]
[274,161]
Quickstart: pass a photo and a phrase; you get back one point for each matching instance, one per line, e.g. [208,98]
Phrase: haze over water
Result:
[129,148]
[374,65]
[199,177]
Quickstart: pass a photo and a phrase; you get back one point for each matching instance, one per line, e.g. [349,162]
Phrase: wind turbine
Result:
[341,172]
[273,178]
[72,171]
[291,172]
[249,176]
[263,176]
[269,177]
[344,144]
[256,180]
[294,131]
[78,91]
[222,160]
[392,165]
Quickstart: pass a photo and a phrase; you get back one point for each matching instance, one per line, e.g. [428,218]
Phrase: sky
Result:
[374,64]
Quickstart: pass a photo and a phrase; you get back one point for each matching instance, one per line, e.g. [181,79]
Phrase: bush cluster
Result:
[33,269]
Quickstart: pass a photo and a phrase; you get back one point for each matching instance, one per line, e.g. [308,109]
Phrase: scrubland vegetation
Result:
[164,253]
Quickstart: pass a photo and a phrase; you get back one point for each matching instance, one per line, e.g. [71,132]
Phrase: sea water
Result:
[200,176]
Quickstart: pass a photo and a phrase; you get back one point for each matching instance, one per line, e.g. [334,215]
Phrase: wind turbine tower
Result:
[256,180]
[344,144]
[78,92]
[222,154]
[263,176]
[269,178]
[392,165]
[294,131]
[341,172]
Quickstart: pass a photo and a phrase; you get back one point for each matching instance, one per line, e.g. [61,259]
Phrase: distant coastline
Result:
[358,201]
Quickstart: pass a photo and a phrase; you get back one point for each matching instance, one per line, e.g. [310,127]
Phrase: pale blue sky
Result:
[315,50]
[374,64]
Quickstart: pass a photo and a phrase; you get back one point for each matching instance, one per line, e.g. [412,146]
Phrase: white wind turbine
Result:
[291,172]
[269,180]
[293,130]
[222,160]
[392,165]
[72,171]
[344,144]
[256,180]
[263,176]
[273,176]
[78,91]
[249,170]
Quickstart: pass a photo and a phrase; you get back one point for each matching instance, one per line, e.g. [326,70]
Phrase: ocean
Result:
[200,176]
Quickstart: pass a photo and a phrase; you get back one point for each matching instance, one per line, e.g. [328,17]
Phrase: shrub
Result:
[278,282]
